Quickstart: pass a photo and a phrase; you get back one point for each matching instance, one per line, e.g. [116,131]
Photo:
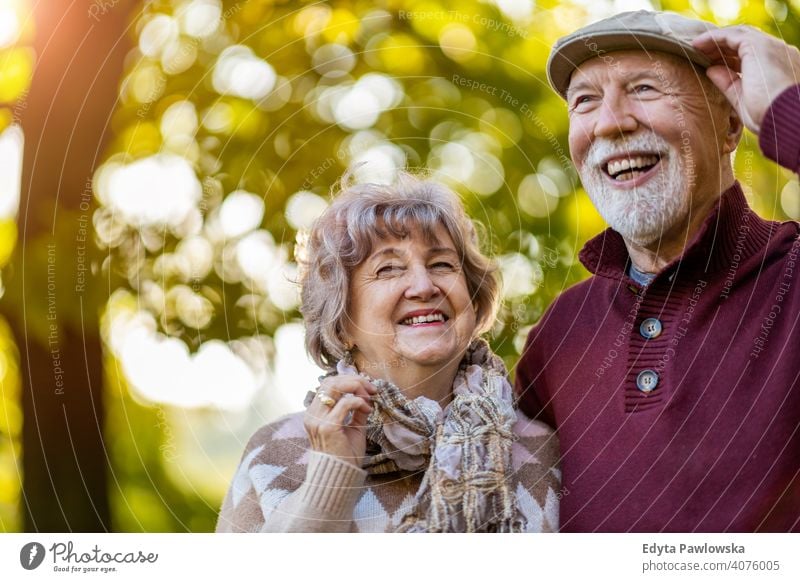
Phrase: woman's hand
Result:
[326,426]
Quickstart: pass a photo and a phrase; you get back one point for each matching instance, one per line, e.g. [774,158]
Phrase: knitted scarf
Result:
[464,449]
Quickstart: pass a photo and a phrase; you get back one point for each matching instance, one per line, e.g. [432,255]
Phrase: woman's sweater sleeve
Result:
[281,486]
[536,460]
[325,500]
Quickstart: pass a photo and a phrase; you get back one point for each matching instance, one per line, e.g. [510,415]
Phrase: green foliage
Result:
[471,103]
[10,432]
[145,496]
[459,91]
[16,70]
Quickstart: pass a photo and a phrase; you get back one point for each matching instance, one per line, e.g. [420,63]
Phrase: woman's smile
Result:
[424,318]
[410,305]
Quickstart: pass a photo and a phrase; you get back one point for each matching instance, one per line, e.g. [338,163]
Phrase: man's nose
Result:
[420,284]
[615,117]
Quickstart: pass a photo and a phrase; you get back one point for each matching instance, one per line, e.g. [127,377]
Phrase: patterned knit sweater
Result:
[281,485]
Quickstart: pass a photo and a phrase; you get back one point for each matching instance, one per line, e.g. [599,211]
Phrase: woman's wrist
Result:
[332,486]
[343,457]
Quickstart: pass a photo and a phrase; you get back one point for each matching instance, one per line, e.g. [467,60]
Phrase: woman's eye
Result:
[443,266]
[388,269]
[643,88]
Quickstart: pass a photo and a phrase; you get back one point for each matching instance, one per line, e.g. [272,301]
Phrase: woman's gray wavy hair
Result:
[343,237]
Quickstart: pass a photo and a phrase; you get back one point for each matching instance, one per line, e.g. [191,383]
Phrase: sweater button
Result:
[647,380]
[650,328]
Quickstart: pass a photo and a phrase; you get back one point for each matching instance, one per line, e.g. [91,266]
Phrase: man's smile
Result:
[631,169]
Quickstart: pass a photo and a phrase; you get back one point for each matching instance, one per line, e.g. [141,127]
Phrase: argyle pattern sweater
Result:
[283,486]
[710,440]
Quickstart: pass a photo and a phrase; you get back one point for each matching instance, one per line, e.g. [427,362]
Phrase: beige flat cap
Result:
[643,30]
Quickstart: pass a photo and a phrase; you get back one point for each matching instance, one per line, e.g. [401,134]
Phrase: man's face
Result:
[648,138]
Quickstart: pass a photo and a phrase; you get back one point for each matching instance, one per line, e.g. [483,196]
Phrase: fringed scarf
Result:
[464,449]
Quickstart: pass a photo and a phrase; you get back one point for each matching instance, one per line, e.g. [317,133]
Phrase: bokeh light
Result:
[157,190]
[11,144]
[235,121]
[240,73]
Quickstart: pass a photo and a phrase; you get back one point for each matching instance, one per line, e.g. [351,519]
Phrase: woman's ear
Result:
[343,333]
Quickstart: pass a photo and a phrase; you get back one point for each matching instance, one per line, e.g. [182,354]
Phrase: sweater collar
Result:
[730,229]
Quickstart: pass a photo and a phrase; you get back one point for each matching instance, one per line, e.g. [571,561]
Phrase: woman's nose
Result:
[420,284]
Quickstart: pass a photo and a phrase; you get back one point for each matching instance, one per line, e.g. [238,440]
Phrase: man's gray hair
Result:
[344,235]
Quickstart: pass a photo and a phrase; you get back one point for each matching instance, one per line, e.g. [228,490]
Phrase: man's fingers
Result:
[730,83]
[727,80]
[723,40]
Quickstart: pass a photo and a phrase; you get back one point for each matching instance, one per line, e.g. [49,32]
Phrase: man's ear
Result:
[734,131]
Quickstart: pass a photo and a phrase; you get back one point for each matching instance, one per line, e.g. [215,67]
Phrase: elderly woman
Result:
[414,427]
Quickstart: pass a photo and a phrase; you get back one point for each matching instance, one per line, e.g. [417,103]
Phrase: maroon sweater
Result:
[715,446]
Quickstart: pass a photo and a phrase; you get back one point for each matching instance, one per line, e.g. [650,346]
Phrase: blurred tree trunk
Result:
[52,299]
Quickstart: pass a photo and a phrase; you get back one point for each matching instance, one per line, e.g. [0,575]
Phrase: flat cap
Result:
[640,30]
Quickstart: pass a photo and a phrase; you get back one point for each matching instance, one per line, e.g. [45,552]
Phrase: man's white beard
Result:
[641,215]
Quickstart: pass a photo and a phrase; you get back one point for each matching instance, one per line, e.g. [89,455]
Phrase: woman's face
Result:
[410,306]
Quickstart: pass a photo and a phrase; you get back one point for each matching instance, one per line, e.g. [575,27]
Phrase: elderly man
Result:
[672,374]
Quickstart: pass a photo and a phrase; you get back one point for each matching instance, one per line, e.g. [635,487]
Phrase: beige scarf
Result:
[465,449]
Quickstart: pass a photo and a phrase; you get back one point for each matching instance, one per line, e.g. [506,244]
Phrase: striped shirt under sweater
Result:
[281,485]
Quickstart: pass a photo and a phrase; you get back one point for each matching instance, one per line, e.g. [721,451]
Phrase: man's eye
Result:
[582,102]
[643,88]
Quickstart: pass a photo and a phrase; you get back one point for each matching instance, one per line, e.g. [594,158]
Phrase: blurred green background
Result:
[160,160]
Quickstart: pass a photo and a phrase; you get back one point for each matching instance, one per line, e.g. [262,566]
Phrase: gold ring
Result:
[325,399]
